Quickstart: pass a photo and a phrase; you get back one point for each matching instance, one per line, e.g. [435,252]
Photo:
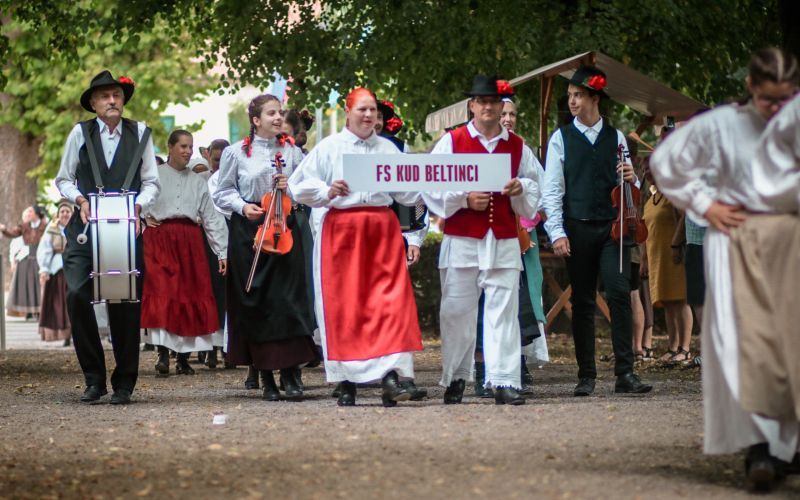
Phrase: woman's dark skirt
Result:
[270,326]
[54,321]
[23,298]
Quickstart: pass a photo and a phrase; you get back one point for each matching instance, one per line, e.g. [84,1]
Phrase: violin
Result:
[273,236]
[626,199]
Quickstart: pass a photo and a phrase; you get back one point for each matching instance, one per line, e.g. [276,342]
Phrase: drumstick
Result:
[82,237]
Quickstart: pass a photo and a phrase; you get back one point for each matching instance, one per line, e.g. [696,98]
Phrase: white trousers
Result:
[461,289]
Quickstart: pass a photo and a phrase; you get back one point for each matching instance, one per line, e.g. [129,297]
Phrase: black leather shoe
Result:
[507,396]
[251,382]
[480,380]
[270,391]
[162,365]
[585,387]
[525,390]
[121,397]
[417,394]
[182,365]
[93,393]
[760,468]
[211,359]
[393,392]
[348,395]
[201,357]
[630,384]
[454,392]
[291,388]
[527,378]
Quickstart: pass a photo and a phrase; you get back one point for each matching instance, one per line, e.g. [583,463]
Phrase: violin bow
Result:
[258,247]
[621,214]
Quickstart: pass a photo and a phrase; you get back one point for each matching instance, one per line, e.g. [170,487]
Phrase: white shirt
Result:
[554,186]
[213,184]
[66,181]
[711,158]
[310,183]
[776,171]
[184,195]
[49,261]
[245,180]
[489,252]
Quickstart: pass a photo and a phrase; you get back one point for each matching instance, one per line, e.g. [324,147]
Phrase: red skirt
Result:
[366,289]
[177,293]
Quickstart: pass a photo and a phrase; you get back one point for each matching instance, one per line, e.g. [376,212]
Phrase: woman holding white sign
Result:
[366,336]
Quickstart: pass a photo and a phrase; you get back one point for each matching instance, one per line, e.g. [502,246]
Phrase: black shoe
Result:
[162,365]
[527,378]
[201,357]
[251,382]
[348,395]
[585,387]
[182,365]
[393,392]
[630,384]
[454,392]
[480,380]
[121,397]
[337,391]
[93,393]
[270,392]
[525,390]
[507,396]
[211,359]
[760,468]
[291,388]
[417,394]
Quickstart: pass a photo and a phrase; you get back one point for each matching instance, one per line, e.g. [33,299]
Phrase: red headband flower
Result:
[504,88]
[125,79]
[393,125]
[284,138]
[388,104]
[597,82]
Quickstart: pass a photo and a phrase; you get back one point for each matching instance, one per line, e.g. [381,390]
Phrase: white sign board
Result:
[427,173]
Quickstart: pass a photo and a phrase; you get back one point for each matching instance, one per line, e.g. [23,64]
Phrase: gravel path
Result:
[164,445]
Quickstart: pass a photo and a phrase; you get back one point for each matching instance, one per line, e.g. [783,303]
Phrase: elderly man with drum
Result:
[109,171]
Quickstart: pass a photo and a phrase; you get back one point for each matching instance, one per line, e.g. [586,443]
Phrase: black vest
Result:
[113,177]
[590,173]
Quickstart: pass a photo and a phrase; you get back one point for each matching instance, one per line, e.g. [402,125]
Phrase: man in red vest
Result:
[480,251]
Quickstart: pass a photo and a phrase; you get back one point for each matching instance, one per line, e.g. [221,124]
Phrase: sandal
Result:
[647,354]
[681,357]
[638,357]
[609,358]
[667,356]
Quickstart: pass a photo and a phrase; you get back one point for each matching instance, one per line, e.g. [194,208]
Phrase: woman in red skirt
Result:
[178,305]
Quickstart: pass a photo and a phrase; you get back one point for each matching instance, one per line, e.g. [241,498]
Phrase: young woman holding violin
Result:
[366,335]
[269,318]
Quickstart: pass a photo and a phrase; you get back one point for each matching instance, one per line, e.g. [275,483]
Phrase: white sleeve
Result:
[66,181]
[445,204]
[44,253]
[527,203]
[776,171]
[213,222]
[307,184]
[417,238]
[148,174]
[554,188]
[227,196]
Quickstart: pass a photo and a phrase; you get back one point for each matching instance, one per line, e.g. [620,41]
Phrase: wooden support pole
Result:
[545,93]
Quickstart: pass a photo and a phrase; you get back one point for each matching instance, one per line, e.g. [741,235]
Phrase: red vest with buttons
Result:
[499,217]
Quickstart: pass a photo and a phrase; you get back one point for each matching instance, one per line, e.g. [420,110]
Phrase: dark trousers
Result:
[123,318]
[595,253]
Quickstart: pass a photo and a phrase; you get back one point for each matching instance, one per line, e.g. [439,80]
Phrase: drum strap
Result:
[98,180]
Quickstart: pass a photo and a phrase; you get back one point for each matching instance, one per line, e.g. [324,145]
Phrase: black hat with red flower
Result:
[104,79]
[483,85]
[591,78]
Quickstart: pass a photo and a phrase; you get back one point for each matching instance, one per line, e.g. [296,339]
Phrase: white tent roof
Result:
[625,85]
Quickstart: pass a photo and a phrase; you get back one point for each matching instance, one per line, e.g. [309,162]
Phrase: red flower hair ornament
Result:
[393,125]
[504,88]
[125,79]
[597,82]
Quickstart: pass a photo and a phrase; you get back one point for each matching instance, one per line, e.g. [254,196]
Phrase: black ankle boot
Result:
[392,391]
[251,382]
[508,396]
[270,392]
[182,364]
[525,378]
[211,360]
[292,390]
[454,392]
[417,394]
[348,395]
[480,380]
[162,365]
[337,391]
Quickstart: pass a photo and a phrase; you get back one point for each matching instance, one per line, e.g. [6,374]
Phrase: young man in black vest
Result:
[115,141]
[581,170]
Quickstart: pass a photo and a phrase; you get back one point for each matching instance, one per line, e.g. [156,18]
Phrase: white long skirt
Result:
[729,428]
[177,343]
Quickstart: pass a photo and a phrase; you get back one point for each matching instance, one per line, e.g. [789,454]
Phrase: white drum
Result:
[113,226]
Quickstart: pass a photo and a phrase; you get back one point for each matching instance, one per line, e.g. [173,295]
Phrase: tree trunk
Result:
[19,153]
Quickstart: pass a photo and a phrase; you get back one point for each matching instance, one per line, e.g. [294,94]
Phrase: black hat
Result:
[591,78]
[483,85]
[105,79]
[386,110]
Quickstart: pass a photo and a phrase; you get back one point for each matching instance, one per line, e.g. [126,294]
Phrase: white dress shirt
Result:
[776,171]
[489,252]
[184,195]
[109,140]
[554,186]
